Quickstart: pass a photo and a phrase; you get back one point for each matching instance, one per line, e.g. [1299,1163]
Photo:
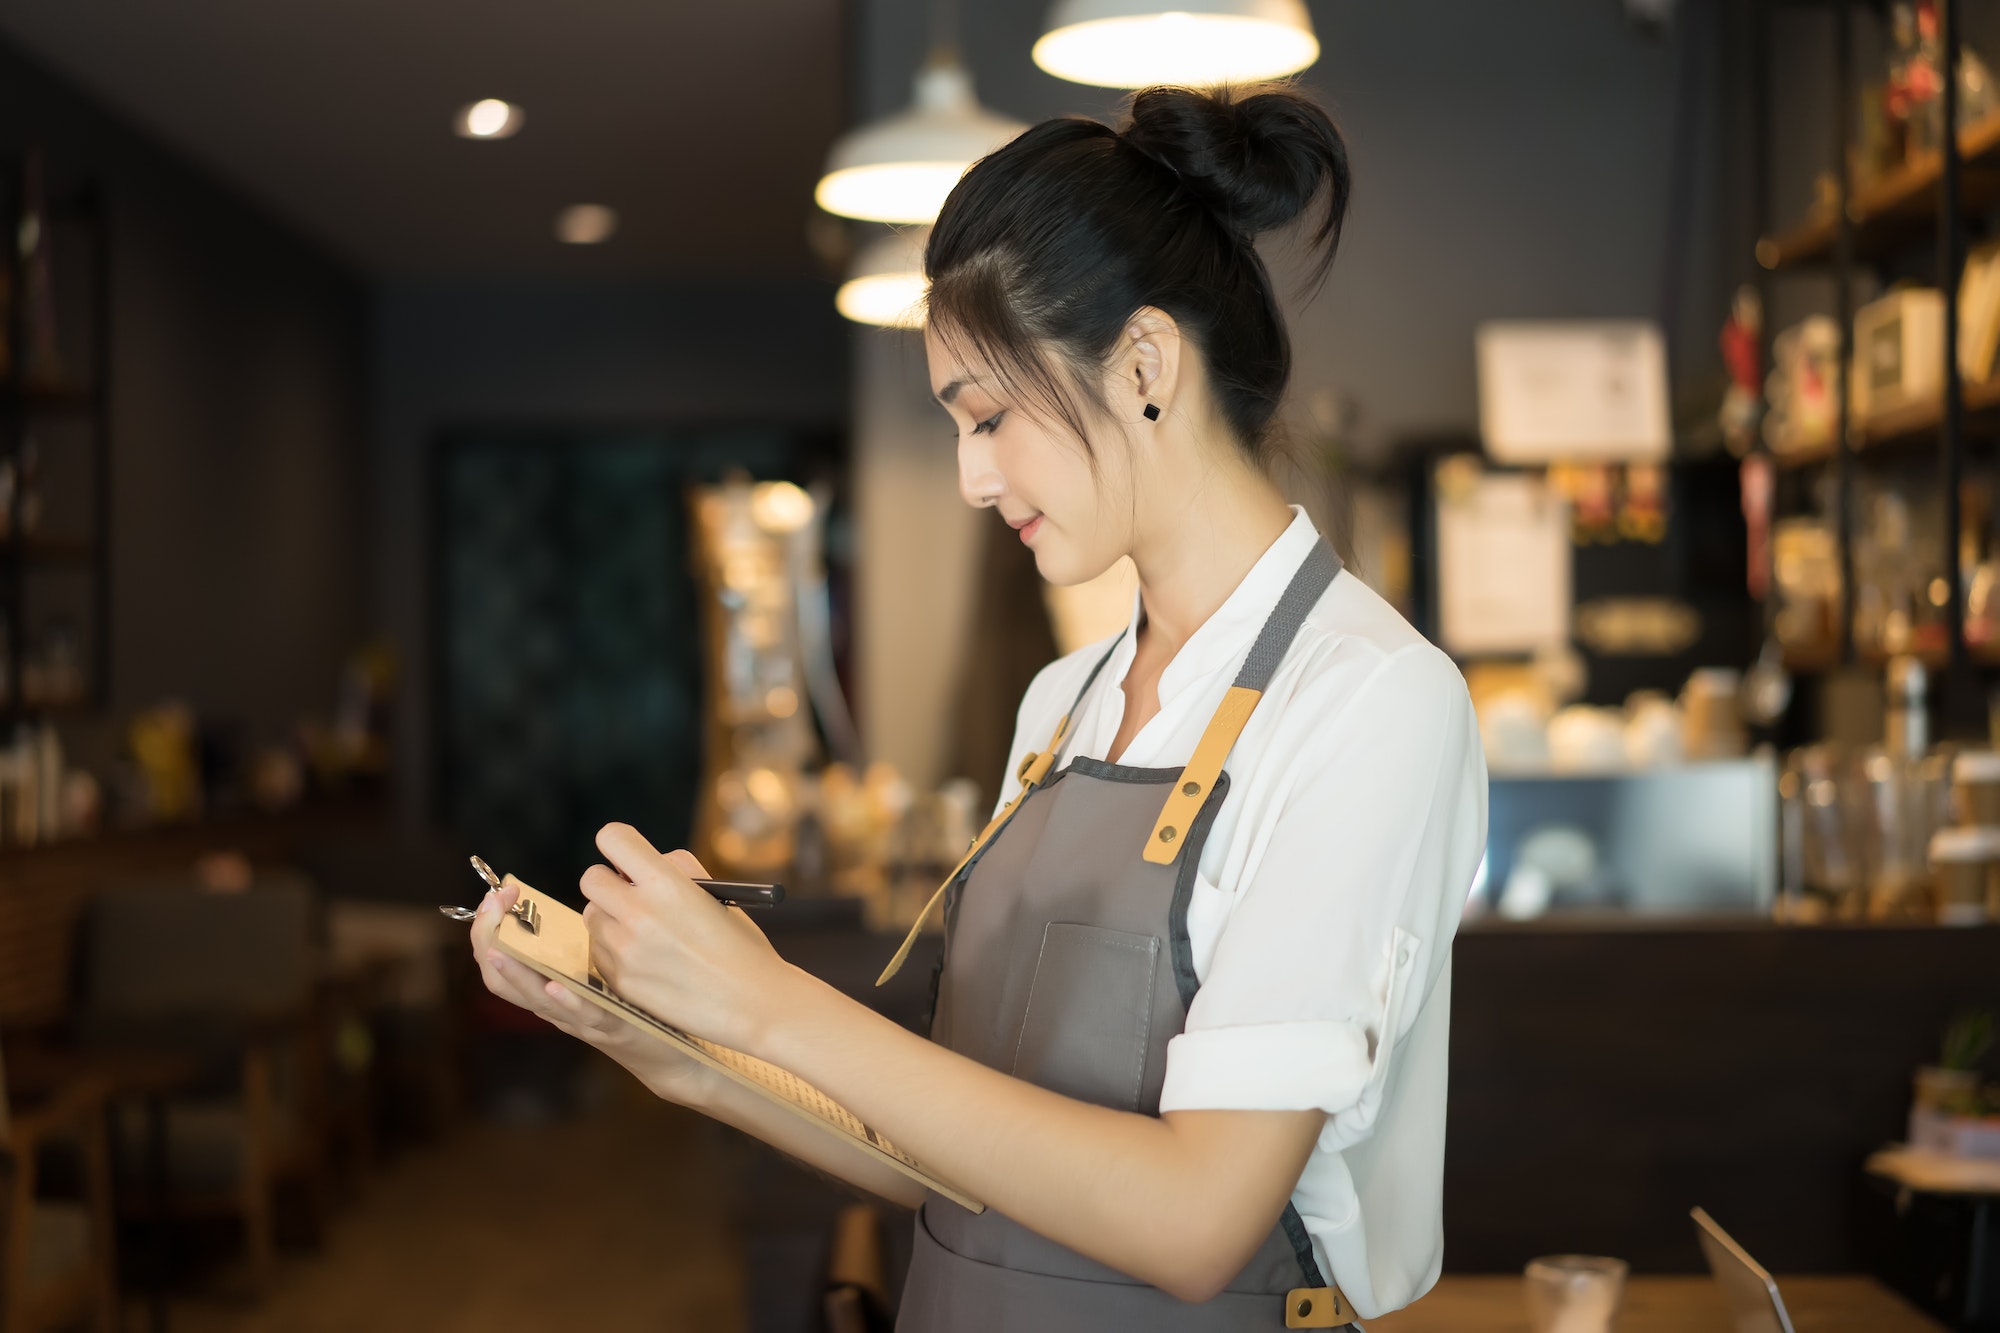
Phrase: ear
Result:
[1147,364]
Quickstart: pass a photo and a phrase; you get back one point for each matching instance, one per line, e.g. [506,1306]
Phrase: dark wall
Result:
[461,353]
[236,416]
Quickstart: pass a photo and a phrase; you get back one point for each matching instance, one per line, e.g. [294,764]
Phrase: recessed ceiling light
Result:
[585,224]
[488,118]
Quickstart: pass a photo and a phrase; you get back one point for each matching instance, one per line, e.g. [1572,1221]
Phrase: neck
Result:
[1194,557]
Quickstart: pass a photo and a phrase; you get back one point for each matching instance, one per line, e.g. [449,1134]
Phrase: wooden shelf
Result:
[1806,664]
[1898,208]
[1895,432]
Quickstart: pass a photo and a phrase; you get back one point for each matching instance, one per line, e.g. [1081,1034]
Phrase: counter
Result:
[1608,1075]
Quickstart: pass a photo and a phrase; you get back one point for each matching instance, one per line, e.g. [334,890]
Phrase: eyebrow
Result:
[950,391]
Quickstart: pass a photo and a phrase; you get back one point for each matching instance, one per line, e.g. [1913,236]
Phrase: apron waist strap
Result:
[1317,1307]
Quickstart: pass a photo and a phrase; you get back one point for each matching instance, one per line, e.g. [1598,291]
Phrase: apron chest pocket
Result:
[1089,1019]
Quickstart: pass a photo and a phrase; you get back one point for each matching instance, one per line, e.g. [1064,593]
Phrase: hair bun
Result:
[1258,156]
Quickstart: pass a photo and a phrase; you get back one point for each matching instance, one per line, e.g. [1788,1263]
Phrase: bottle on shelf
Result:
[1978,567]
[1907,791]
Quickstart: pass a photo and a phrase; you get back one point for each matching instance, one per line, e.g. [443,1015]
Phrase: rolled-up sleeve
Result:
[1339,920]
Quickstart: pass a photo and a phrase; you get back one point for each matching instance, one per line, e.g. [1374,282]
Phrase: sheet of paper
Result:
[1503,564]
[1573,390]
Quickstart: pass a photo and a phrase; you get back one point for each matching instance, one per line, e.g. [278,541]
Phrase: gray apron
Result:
[1067,964]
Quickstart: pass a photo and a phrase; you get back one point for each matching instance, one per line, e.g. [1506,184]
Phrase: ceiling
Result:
[702,123]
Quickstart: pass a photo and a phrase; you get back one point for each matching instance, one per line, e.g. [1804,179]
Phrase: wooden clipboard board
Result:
[550,937]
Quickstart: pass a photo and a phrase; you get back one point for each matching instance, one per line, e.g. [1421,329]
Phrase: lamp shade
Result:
[1134,43]
[900,169]
[886,284]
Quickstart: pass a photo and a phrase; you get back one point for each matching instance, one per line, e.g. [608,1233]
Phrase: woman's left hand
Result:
[663,943]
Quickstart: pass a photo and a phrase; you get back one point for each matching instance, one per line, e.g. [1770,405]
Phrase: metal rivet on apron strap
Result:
[1191,789]
[1167,833]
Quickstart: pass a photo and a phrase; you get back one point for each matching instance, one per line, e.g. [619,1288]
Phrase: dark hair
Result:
[1048,245]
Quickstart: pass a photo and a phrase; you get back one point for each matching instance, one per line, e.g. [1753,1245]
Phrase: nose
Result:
[979,481]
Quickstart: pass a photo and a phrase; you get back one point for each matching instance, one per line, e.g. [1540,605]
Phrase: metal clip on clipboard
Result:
[524,909]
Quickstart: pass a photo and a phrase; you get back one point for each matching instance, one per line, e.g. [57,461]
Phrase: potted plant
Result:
[1951,1088]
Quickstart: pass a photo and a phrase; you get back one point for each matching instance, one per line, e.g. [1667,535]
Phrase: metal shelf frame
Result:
[1962,708]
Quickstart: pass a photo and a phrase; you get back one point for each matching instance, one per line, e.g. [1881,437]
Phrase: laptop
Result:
[1754,1303]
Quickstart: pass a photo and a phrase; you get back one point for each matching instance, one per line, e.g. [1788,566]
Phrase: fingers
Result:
[639,877]
[683,860]
[551,1001]
[608,890]
[585,1019]
[609,939]
[486,921]
[627,849]
[512,981]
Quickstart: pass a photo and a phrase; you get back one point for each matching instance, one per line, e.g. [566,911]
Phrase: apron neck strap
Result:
[1191,788]
[1035,766]
[1312,578]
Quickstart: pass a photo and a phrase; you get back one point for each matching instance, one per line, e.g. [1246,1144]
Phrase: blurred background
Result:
[435,428]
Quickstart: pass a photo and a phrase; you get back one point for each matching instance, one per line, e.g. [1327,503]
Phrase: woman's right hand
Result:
[666,1071]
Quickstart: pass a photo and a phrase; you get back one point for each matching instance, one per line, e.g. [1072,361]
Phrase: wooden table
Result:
[1655,1304]
[1974,1183]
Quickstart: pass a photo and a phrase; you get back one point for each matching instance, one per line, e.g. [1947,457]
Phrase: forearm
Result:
[1180,1201]
[1139,1193]
[760,1117]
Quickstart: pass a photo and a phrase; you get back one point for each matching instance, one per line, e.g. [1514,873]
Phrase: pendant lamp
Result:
[886,284]
[900,169]
[1134,43]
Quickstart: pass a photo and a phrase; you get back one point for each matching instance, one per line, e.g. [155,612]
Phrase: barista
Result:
[1191,1032]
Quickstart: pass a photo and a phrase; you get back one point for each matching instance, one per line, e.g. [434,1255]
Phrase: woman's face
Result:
[1075,518]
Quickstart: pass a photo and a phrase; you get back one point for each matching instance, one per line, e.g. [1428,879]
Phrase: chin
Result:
[1067,569]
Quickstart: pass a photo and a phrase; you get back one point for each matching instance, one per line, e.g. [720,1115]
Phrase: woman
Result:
[1190,1038]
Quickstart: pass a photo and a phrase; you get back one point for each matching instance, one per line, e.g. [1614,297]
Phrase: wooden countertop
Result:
[1937,1173]
[1656,1304]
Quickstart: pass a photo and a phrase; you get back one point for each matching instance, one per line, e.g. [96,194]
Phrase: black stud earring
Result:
[1152,411]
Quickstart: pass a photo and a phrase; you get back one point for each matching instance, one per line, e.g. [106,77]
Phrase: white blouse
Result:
[1326,899]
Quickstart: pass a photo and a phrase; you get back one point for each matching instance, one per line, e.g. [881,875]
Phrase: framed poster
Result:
[1591,391]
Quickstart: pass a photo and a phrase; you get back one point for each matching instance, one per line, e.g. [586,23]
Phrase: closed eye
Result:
[991,423]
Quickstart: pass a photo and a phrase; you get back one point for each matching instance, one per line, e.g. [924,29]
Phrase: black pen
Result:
[730,893]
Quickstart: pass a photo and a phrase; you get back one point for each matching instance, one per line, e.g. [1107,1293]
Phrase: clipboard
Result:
[550,937]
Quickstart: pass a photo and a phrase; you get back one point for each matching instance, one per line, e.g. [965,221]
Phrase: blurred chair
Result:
[228,980]
[56,1254]
[382,889]
[390,979]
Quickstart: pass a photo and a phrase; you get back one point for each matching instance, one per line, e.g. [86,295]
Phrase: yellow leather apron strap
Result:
[1317,1307]
[1198,778]
[1191,788]
[1035,766]
[1311,578]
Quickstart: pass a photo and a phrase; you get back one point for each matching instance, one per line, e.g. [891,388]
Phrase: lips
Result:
[1030,528]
